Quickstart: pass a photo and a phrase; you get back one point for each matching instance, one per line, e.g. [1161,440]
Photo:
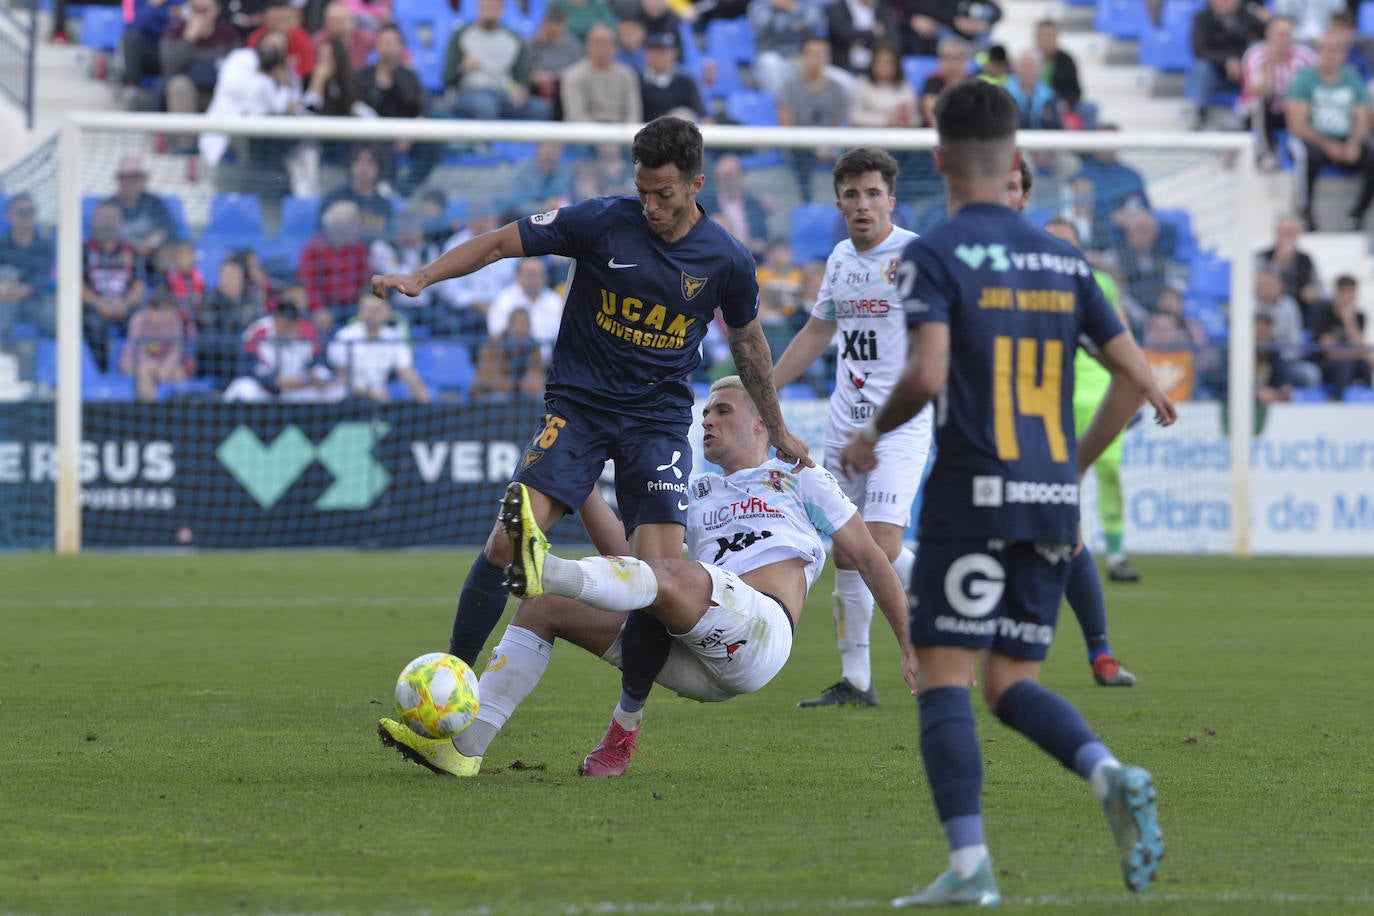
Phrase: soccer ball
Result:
[436,695]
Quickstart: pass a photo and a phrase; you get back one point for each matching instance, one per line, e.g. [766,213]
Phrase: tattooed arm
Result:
[754,363]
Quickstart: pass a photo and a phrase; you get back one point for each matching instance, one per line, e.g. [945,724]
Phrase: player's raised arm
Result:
[854,539]
[1131,383]
[459,261]
[754,363]
[803,351]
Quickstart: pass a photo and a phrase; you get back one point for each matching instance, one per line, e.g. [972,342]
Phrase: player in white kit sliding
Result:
[859,300]
[754,533]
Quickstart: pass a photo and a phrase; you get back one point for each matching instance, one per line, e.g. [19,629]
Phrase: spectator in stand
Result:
[780,289]
[178,273]
[434,213]
[1060,71]
[583,15]
[1035,100]
[1342,354]
[813,98]
[405,250]
[1143,262]
[369,350]
[1311,18]
[973,20]
[541,182]
[1170,304]
[191,51]
[29,250]
[1093,225]
[155,353]
[1117,186]
[18,303]
[463,302]
[333,89]
[487,70]
[510,366]
[1361,46]
[374,201]
[551,52]
[334,265]
[728,201]
[139,44]
[780,28]
[255,82]
[856,28]
[341,24]
[612,169]
[393,90]
[284,16]
[1267,72]
[1271,300]
[1328,120]
[664,89]
[600,88]
[1272,384]
[531,294]
[658,19]
[286,353]
[1221,32]
[238,299]
[994,66]
[146,220]
[370,13]
[113,281]
[629,44]
[951,66]
[882,97]
[1295,266]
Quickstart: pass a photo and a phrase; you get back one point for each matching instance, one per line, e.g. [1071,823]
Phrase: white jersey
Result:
[859,293]
[765,515]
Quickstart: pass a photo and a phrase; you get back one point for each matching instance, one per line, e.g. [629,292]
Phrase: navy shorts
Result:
[652,462]
[981,594]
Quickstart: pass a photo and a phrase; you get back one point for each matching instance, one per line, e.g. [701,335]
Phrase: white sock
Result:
[627,720]
[965,861]
[514,668]
[853,605]
[1098,777]
[903,565]
[608,583]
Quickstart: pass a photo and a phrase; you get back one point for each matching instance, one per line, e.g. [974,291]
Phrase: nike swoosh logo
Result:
[614,266]
[681,506]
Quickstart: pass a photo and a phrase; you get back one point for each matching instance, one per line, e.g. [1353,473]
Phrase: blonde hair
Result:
[734,381]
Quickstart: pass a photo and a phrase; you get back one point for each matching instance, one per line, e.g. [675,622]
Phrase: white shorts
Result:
[885,493]
[739,645]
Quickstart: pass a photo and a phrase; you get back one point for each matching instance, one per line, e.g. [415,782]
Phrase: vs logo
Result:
[268,471]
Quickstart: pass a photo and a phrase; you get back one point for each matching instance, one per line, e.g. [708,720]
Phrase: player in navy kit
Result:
[996,307]
[648,277]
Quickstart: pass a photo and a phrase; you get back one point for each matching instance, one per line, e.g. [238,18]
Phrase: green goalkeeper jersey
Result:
[1090,377]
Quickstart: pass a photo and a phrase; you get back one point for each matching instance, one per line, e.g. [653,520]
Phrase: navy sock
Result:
[644,643]
[953,762]
[480,606]
[1047,719]
[1084,593]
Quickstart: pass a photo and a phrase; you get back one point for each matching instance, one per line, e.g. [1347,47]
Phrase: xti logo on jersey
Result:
[859,345]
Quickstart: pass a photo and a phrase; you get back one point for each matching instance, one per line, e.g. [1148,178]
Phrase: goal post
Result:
[1208,177]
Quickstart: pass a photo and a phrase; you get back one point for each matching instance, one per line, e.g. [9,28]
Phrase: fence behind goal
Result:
[1168,215]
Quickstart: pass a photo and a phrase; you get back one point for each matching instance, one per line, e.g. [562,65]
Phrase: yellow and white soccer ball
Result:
[436,695]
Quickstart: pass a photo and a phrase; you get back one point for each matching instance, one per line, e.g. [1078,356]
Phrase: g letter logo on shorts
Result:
[974,585]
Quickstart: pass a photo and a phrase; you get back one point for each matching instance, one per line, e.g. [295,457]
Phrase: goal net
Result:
[130,422]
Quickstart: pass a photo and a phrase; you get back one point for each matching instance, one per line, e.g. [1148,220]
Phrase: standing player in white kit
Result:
[859,299]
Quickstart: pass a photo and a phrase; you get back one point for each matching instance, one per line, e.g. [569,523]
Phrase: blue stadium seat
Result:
[426,29]
[690,52]
[1182,222]
[235,220]
[192,386]
[178,211]
[1314,395]
[1210,276]
[813,231]
[1364,18]
[429,67]
[1358,394]
[102,27]
[88,204]
[300,217]
[1210,314]
[726,80]
[510,152]
[917,68]
[730,39]
[445,365]
[208,259]
[1125,19]
[45,362]
[752,107]
[1168,49]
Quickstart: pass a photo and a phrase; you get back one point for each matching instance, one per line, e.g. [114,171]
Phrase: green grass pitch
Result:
[195,734]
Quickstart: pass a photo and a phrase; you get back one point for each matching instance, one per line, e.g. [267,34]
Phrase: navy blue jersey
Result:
[637,307]
[1016,300]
